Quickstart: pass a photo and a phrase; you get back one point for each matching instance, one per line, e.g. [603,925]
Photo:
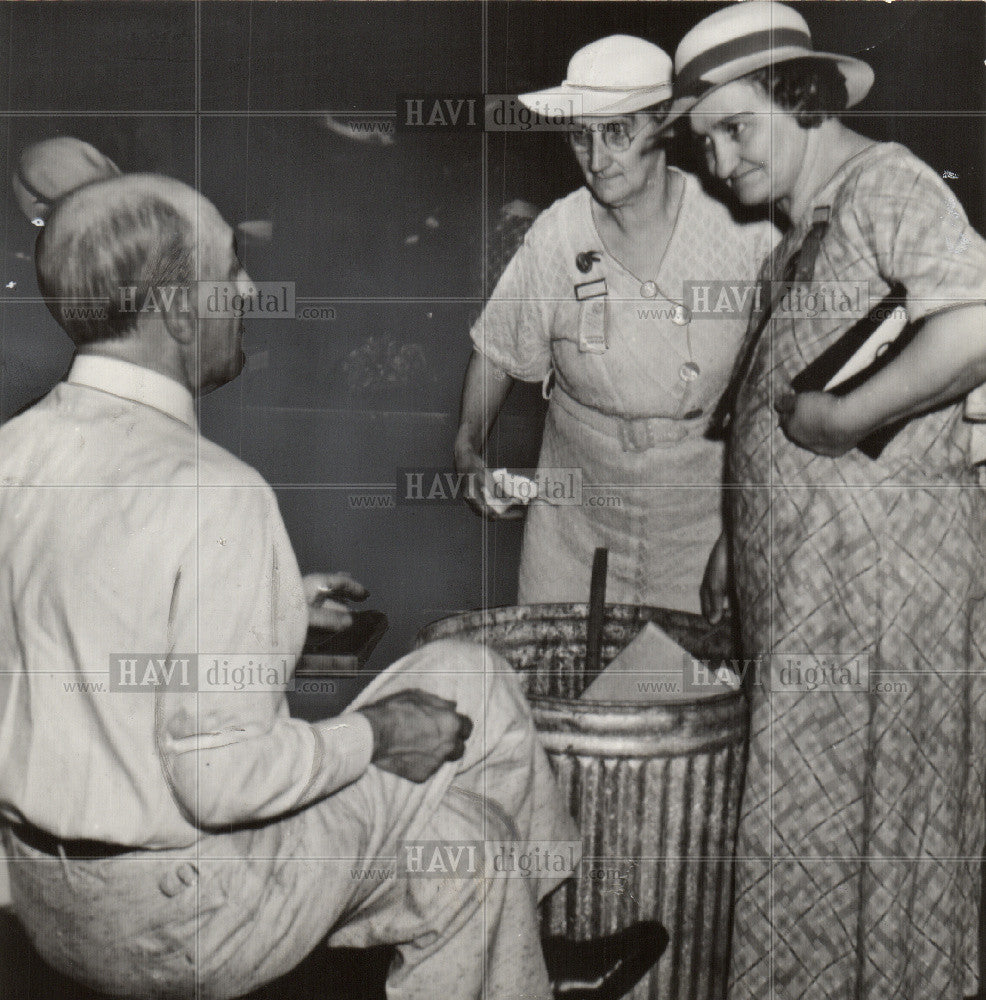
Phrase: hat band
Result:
[689,82]
[615,90]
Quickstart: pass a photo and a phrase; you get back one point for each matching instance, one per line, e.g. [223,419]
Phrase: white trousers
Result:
[236,910]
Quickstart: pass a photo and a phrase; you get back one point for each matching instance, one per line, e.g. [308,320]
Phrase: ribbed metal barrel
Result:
[655,787]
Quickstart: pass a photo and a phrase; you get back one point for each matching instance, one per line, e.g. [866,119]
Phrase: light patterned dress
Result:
[629,415]
[863,818]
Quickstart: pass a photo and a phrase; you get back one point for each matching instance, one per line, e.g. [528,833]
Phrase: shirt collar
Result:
[130,381]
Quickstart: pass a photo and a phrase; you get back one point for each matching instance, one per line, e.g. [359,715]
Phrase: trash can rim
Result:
[616,613]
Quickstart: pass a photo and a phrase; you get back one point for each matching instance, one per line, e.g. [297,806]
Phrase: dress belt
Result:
[46,843]
[633,433]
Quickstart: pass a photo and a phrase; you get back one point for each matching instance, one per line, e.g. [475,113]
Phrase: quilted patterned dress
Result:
[862,826]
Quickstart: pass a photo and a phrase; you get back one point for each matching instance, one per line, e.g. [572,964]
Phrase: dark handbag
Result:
[817,375]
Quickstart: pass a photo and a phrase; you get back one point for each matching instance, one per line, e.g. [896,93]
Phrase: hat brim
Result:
[858,75]
[567,101]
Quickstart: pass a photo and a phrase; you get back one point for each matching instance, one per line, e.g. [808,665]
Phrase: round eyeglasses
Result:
[616,136]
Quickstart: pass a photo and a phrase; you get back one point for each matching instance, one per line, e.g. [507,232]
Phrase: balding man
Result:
[174,837]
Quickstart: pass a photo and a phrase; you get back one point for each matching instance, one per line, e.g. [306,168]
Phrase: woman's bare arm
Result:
[484,392]
[945,360]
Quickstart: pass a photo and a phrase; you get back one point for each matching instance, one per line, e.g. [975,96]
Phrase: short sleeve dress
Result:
[635,382]
[863,816]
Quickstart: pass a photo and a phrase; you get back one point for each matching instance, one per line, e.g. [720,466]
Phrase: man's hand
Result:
[415,732]
[325,592]
[715,583]
[816,421]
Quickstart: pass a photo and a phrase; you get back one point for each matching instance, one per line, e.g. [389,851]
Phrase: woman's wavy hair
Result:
[810,89]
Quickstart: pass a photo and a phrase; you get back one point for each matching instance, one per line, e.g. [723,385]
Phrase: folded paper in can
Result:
[650,669]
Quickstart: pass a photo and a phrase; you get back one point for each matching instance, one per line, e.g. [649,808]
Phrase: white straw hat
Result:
[613,75]
[745,37]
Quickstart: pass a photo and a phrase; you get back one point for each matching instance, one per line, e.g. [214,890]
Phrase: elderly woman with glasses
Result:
[596,301]
[856,531]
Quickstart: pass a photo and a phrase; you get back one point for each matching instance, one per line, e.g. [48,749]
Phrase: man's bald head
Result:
[50,169]
[109,247]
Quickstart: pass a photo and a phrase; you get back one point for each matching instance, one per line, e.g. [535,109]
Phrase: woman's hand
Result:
[945,360]
[484,390]
[816,421]
[468,463]
[714,593]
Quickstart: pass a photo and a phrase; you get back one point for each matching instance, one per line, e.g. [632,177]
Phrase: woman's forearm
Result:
[944,361]
[484,391]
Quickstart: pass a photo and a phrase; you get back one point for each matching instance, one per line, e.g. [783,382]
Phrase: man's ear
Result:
[180,319]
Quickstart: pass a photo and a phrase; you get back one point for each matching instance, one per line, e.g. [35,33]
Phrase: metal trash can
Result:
[655,787]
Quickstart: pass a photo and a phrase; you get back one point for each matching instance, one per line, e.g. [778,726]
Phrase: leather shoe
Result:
[604,968]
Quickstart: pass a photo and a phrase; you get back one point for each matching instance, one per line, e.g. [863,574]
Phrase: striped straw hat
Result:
[745,37]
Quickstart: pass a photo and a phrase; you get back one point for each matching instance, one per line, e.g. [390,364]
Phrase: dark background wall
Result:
[394,236]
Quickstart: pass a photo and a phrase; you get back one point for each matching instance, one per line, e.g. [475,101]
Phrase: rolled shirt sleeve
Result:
[921,237]
[229,749]
[513,330]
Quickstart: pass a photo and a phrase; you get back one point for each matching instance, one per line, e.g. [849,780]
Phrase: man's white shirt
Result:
[126,536]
